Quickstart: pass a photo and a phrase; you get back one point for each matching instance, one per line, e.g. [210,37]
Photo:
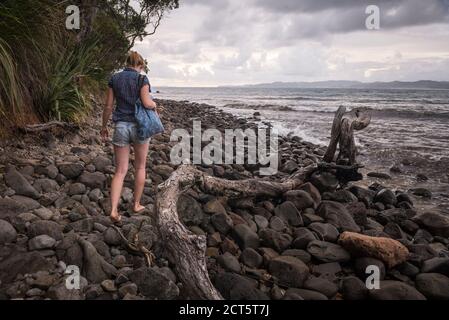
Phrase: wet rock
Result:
[96,195]
[50,171]
[343,196]
[304,294]
[93,291]
[385,196]
[276,240]
[364,195]
[311,217]
[46,185]
[359,212]
[313,191]
[236,287]
[422,192]
[221,222]
[289,166]
[394,231]
[77,188]
[245,237]
[102,164]
[7,232]
[108,286]
[251,258]
[422,177]
[325,231]
[229,262]
[396,215]
[244,203]
[289,213]
[403,197]
[395,290]
[379,175]
[261,222]
[21,263]
[336,214]
[112,237]
[128,289]
[324,181]
[409,226]
[83,225]
[93,180]
[302,238]
[71,170]
[163,170]
[302,255]
[436,265]
[433,285]
[327,252]
[408,269]
[352,288]
[230,246]
[396,169]
[10,208]
[326,287]
[290,271]
[95,268]
[44,213]
[436,223]
[27,203]
[153,284]
[214,206]
[268,254]
[214,240]
[388,250]
[420,253]
[329,271]
[190,210]
[301,199]
[19,183]
[41,242]
[44,227]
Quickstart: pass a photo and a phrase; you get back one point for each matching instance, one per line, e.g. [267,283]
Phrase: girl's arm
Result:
[146,99]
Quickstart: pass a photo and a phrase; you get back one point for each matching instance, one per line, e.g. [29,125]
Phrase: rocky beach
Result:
[314,242]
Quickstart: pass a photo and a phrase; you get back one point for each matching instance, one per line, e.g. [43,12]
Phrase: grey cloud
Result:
[314,18]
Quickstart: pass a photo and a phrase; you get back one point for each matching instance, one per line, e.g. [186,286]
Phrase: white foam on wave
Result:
[282,129]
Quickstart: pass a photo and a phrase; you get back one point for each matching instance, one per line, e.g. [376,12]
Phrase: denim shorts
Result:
[125,133]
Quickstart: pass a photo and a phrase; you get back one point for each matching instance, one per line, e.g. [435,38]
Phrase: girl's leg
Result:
[141,152]
[121,169]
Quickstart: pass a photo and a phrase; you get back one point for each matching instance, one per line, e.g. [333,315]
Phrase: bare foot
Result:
[115,217]
[138,208]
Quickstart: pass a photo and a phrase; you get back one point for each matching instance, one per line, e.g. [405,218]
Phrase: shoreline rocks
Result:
[311,243]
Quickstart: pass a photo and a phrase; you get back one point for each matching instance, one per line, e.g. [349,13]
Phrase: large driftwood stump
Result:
[187,251]
[342,135]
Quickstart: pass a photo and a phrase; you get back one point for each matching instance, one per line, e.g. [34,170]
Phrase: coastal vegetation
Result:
[48,72]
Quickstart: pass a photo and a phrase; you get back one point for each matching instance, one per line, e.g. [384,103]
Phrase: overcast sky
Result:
[217,42]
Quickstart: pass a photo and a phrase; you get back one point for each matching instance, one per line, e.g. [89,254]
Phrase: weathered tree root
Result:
[48,126]
[187,251]
[136,247]
[342,134]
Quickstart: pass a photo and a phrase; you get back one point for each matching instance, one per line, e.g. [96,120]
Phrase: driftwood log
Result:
[345,123]
[187,251]
[49,126]
[342,135]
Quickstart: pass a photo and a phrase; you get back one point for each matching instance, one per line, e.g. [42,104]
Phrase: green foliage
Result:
[48,72]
